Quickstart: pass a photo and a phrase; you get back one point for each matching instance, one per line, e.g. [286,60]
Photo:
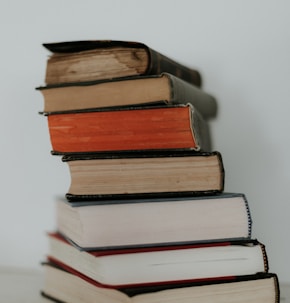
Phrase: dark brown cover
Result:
[182,92]
[158,62]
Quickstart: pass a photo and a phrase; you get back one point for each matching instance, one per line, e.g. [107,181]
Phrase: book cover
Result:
[127,91]
[144,60]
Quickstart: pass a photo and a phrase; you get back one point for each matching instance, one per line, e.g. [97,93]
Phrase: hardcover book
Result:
[151,222]
[164,173]
[75,61]
[135,128]
[128,91]
[68,286]
[161,264]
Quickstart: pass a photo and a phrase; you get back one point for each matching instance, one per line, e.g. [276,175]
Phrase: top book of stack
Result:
[80,61]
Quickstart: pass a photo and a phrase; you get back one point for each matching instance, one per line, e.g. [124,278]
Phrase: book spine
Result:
[159,63]
[184,92]
[250,222]
[277,288]
[200,129]
[265,257]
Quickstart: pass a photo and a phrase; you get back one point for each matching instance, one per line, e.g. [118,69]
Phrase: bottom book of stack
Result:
[63,284]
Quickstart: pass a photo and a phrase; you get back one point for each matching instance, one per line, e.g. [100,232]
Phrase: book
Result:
[74,61]
[153,222]
[134,128]
[128,91]
[161,264]
[151,173]
[67,286]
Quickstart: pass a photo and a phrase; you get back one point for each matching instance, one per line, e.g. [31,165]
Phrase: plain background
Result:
[241,48]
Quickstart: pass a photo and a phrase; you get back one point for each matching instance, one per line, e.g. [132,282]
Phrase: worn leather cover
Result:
[157,64]
[181,92]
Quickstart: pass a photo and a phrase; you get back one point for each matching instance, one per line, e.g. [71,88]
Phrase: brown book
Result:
[113,175]
[135,128]
[65,285]
[75,61]
[138,90]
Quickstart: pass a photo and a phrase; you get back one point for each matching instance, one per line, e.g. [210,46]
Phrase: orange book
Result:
[147,128]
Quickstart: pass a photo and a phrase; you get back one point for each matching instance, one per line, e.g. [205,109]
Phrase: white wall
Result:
[242,49]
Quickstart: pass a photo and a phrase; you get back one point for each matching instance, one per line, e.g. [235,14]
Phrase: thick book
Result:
[68,286]
[154,222]
[75,61]
[136,90]
[134,128]
[164,173]
[161,264]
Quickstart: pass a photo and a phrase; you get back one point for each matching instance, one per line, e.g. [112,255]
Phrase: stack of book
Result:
[145,218]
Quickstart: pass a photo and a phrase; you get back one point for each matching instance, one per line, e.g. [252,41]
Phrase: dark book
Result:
[154,222]
[62,284]
[161,264]
[136,90]
[147,174]
[135,128]
[75,61]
